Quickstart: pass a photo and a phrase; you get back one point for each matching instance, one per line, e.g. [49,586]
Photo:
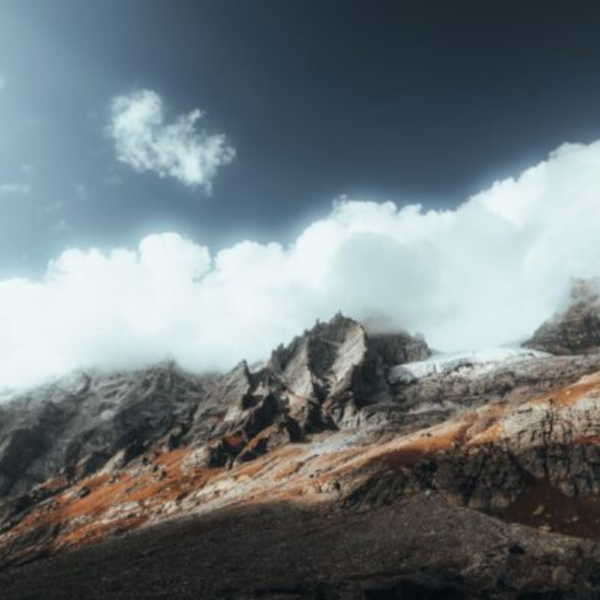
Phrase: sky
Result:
[192,148]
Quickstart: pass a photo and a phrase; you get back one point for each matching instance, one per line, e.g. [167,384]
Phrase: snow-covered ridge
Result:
[475,361]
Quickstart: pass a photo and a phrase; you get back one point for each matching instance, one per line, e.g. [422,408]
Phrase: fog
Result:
[478,276]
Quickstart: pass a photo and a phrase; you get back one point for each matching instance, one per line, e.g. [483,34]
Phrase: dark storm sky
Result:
[410,100]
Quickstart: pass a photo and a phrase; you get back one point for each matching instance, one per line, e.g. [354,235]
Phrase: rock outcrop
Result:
[340,430]
[83,424]
[319,382]
[575,330]
[74,427]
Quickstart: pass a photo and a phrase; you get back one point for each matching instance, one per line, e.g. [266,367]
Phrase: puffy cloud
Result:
[14,189]
[483,274]
[180,149]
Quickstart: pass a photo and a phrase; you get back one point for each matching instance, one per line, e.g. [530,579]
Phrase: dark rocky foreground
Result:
[350,466]
[416,549]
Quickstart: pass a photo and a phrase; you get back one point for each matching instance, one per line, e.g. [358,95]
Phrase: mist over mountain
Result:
[154,481]
[299,300]
[481,275]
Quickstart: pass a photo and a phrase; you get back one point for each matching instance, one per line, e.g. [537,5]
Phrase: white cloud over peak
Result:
[181,149]
[483,274]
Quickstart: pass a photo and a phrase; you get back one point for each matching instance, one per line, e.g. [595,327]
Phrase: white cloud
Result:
[14,189]
[3,83]
[483,274]
[181,149]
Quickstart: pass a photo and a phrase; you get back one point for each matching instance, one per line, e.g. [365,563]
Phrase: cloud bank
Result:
[478,276]
[181,149]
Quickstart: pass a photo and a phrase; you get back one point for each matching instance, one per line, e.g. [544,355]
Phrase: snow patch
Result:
[459,362]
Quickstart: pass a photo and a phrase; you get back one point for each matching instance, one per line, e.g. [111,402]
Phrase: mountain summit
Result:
[575,330]
[351,465]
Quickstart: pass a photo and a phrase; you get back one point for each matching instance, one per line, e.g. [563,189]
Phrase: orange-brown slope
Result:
[327,469]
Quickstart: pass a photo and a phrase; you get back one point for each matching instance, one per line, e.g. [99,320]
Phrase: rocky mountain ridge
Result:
[576,330]
[340,427]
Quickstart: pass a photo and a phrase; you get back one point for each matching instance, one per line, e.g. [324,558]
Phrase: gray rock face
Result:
[536,438]
[399,348]
[327,421]
[511,381]
[74,427]
[334,376]
[577,329]
[417,403]
[77,426]
[323,361]
[319,382]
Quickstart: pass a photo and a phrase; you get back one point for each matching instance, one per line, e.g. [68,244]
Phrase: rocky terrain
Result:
[576,329]
[350,465]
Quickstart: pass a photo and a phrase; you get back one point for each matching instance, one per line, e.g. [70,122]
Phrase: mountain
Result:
[576,330]
[350,466]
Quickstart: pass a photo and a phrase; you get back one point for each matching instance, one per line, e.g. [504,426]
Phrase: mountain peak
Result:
[576,329]
[340,425]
